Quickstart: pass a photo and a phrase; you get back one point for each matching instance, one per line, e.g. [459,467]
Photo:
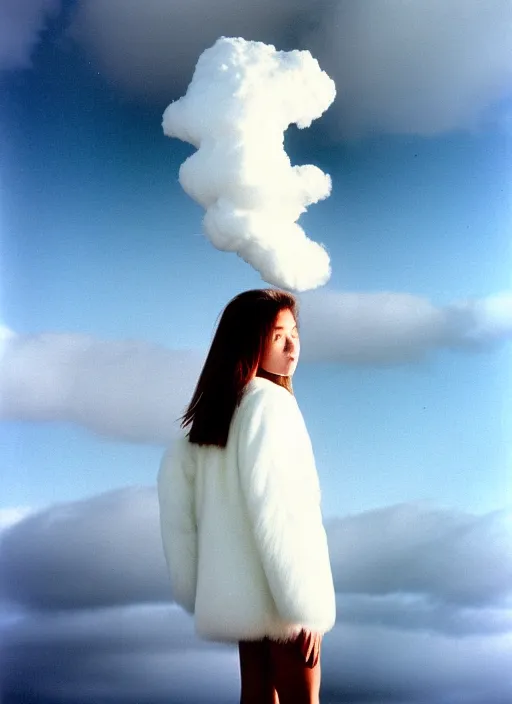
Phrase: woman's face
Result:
[282,350]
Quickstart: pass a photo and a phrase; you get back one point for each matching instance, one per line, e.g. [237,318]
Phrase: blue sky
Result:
[105,270]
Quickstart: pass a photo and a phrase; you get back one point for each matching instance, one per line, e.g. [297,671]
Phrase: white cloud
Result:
[242,97]
[422,67]
[21,23]
[387,328]
[128,390]
[422,608]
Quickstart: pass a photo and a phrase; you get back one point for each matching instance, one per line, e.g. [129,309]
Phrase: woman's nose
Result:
[291,344]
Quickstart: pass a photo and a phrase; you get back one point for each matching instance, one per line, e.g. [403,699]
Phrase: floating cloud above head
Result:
[241,99]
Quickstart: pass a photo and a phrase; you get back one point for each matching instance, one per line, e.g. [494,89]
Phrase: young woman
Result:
[240,514]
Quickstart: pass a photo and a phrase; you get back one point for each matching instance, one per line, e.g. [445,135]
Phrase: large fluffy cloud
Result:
[241,175]
[21,24]
[422,67]
[424,608]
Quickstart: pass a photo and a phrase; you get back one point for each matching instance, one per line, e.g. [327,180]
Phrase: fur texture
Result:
[242,528]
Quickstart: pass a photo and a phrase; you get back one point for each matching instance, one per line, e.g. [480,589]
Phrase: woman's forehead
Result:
[285,318]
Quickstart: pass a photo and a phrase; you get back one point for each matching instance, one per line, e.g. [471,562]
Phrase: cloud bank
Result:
[242,98]
[123,389]
[99,536]
[424,608]
[390,328]
[424,67]
[406,550]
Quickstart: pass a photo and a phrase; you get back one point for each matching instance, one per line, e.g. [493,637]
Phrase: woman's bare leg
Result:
[294,681]
[256,673]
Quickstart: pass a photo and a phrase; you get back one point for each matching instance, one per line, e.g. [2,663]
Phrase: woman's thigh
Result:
[256,673]
[294,682]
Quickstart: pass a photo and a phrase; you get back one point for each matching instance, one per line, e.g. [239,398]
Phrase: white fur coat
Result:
[242,527]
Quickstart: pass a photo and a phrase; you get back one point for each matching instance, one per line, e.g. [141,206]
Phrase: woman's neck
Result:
[268,375]
[278,379]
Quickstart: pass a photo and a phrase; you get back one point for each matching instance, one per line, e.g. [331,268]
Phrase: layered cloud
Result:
[422,594]
[422,67]
[136,391]
[388,328]
[113,537]
[425,556]
[21,24]
[425,552]
[126,390]
[149,654]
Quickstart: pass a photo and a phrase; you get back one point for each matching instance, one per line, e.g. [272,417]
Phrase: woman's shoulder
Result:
[264,398]
[179,446]
[179,454]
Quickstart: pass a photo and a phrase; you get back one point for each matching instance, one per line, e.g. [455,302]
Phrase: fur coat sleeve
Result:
[175,486]
[280,484]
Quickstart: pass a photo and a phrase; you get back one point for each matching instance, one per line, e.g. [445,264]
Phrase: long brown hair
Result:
[245,326]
